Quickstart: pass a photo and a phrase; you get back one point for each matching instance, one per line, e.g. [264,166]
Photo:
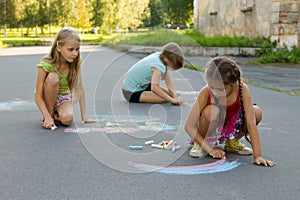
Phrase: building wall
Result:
[275,19]
[285,23]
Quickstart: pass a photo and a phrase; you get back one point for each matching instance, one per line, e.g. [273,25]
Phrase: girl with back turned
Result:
[142,81]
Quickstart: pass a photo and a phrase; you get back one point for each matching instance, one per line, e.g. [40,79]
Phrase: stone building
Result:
[274,19]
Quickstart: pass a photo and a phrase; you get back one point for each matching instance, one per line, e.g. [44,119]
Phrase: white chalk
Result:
[175,148]
[157,146]
[185,103]
[149,142]
[53,128]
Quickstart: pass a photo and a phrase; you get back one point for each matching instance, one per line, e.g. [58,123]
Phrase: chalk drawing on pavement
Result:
[107,130]
[219,166]
[124,118]
[156,126]
[188,92]
[126,124]
[16,104]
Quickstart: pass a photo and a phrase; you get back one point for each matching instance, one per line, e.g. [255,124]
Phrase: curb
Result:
[197,50]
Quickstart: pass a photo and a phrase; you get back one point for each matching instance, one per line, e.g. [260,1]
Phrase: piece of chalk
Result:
[136,147]
[170,142]
[53,128]
[157,146]
[175,148]
[185,103]
[149,142]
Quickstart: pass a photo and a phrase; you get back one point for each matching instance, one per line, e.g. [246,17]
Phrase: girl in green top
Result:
[58,83]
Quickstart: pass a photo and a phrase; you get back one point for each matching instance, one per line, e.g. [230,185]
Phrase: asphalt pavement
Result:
[94,161]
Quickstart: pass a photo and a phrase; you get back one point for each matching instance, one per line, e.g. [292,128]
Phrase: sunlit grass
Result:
[22,41]
[294,92]
[26,41]
[150,39]
[194,67]
[91,39]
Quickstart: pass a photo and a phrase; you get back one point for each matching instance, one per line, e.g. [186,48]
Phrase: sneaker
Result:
[197,151]
[235,146]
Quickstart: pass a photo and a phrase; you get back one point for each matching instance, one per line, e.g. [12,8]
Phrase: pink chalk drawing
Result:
[217,166]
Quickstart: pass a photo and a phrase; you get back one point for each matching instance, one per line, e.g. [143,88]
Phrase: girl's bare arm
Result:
[252,129]
[82,103]
[192,122]
[39,98]
[170,84]
[155,86]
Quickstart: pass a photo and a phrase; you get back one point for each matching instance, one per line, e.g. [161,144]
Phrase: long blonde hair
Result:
[65,35]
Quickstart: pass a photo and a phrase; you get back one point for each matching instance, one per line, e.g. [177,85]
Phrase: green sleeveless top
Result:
[63,78]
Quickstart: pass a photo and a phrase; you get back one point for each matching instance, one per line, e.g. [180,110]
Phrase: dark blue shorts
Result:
[134,97]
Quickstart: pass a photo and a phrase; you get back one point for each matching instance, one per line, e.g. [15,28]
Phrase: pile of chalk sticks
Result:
[169,145]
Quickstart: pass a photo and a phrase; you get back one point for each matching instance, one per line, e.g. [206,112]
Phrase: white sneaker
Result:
[197,151]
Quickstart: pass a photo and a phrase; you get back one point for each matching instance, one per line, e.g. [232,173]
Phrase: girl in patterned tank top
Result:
[224,112]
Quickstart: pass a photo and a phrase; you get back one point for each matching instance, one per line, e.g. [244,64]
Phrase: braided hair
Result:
[227,70]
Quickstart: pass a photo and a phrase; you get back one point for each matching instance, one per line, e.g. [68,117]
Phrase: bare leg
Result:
[258,118]
[258,114]
[51,86]
[65,113]
[151,97]
[207,125]
[209,120]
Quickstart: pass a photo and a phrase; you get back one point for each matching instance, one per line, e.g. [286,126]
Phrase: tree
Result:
[30,14]
[3,16]
[66,12]
[83,15]
[157,13]
[97,14]
[109,13]
[8,14]
[43,15]
[126,18]
[123,13]
[179,11]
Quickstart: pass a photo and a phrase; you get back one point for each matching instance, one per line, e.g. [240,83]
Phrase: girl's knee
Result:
[66,119]
[52,79]
[211,113]
[258,114]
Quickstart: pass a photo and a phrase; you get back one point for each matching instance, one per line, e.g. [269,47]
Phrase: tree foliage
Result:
[106,14]
[178,11]
[125,14]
